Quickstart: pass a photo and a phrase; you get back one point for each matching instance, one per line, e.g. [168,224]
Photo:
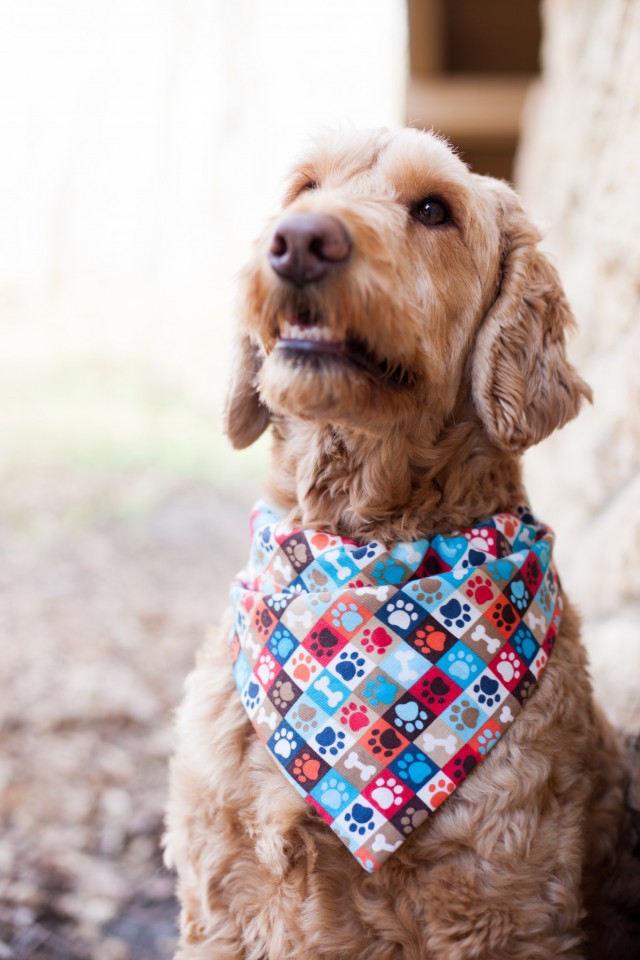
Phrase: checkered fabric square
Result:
[378,676]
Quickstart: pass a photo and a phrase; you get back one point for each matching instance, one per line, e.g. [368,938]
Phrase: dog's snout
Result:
[306,246]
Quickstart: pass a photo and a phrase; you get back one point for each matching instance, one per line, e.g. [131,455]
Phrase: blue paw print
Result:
[414,767]
[330,741]
[487,739]
[379,690]
[334,793]
[451,548]
[519,595]
[388,571]
[455,612]
[545,600]
[487,690]
[251,695]
[346,616]
[524,644]
[359,819]
[410,716]
[501,569]
[241,670]
[462,664]
[473,559]
[544,552]
[366,552]
[282,644]
[266,536]
[240,621]
[350,665]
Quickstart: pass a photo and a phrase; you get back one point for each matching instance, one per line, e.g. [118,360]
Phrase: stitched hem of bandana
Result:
[379,677]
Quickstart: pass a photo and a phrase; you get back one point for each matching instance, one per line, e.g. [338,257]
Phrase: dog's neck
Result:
[396,487]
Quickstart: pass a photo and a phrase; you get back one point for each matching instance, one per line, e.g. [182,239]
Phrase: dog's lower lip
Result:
[350,353]
[335,347]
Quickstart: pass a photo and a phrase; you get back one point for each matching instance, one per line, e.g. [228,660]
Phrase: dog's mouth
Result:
[306,339]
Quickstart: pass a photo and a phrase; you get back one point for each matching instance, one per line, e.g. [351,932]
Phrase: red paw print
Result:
[377,640]
[355,716]
[479,589]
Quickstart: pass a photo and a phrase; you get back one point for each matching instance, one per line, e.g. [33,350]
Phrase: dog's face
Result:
[395,287]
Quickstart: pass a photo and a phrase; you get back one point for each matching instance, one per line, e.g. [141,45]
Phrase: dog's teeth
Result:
[317,333]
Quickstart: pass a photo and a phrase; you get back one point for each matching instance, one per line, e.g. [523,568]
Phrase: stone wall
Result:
[579,173]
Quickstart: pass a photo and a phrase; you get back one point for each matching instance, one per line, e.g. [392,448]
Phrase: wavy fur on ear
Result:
[245,416]
[523,385]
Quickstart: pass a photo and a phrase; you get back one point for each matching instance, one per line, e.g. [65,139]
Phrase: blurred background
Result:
[143,143]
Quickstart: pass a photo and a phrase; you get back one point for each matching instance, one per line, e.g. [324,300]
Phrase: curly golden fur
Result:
[455,363]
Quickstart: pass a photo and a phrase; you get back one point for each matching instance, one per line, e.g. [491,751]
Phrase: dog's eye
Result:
[309,185]
[432,212]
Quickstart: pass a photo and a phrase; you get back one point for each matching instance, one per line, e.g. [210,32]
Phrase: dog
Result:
[404,339]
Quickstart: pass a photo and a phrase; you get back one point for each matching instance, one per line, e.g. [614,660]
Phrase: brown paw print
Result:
[465,714]
[304,718]
[298,553]
[430,589]
[282,693]
[412,818]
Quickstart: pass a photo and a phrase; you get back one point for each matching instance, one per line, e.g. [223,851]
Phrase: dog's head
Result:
[395,287]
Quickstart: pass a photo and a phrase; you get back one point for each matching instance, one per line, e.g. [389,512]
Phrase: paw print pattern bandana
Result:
[379,677]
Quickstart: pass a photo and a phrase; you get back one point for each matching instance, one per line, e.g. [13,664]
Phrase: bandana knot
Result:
[377,676]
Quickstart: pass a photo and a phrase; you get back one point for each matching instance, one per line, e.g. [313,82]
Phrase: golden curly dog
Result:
[430,354]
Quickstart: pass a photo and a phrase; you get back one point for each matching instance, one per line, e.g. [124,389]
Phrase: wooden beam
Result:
[468,107]
[426,37]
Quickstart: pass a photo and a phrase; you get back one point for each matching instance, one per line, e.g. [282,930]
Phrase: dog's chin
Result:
[333,381]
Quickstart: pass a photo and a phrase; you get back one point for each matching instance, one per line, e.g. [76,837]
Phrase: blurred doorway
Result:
[471,64]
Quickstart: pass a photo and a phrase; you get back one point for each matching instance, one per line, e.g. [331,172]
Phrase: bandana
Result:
[379,677]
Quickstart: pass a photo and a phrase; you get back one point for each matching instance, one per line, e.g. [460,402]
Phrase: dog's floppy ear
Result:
[523,385]
[245,415]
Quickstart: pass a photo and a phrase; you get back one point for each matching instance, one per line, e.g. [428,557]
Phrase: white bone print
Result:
[333,557]
[251,647]
[306,618]
[404,657]
[534,621]
[380,593]
[334,697]
[429,742]
[269,718]
[380,843]
[353,762]
[283,568]
[480,633]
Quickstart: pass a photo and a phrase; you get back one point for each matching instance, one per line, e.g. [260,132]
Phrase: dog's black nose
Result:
[305,246]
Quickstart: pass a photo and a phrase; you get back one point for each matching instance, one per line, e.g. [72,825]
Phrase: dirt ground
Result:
[107,586]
